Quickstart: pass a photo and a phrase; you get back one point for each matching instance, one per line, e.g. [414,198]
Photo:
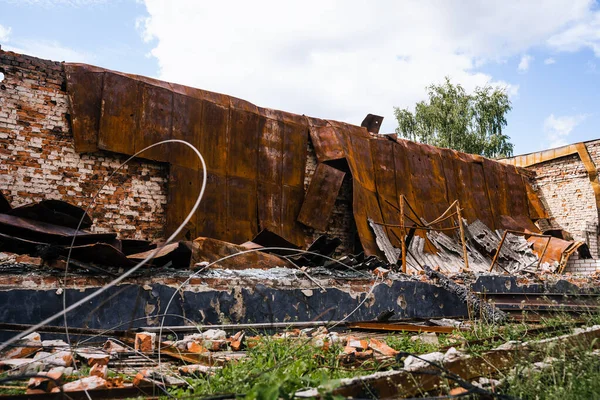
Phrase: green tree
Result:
[455,119]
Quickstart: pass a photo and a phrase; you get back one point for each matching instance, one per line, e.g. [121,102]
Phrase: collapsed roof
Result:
[256,160]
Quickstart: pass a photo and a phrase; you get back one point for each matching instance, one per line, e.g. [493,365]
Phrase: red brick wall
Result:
[38,161]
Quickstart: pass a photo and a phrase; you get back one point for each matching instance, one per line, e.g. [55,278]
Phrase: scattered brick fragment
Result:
[145,342]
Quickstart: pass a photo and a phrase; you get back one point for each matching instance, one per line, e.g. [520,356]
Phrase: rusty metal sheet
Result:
[295,143]
[55,212]
[365,207]
[270,151]
[320,198]
[497,189]
[100,253]
[187,125]
[211,218]
[214,137]
[211,250]
[183,189]
[326,143]
[243,143]
[291,203]
[270,201]
[49,233]
[119,119]
[473,194]
[156,122]
[428,181]
[517,198]
[84,88]
[385,181]
[242,209]
[556,248]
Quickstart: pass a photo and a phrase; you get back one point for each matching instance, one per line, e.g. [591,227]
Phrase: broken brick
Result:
[39,384]
[87,383]
[145,342]
[382,348]
[99,370]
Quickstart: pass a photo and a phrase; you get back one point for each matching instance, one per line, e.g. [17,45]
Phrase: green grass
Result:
[276,368]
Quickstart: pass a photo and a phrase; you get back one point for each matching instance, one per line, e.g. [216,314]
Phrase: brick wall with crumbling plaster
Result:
[38,161]
[564,187]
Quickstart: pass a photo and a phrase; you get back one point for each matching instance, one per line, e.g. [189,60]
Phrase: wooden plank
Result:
[321,196]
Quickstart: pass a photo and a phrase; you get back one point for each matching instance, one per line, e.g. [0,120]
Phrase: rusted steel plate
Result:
[119,120]
[211,218]
[365,206]
[187,125]
[270,200]
[242,215]
[243,144]
[555,249]
[84,88]
[360,149]
[473,194]
[428,181]
[517,197]
[496,189]
[326,143]
[100,253]
[45,232]
[183,190]
[291,203]
[211,250]
[295,142]
[155,122]
[214,137]
[320,197]
[55,212]
[385,180]
[270,151]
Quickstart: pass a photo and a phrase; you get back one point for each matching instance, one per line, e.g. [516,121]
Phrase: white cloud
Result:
[557,129]
[344,59]
[50,50]
[582,34]
[4,33]
[549,61]
[524,63]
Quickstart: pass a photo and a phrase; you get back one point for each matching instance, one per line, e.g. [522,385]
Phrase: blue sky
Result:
[340,59]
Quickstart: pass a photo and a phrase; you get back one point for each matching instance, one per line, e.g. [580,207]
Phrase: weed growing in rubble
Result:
[565,377]
[404,342]
[277,368]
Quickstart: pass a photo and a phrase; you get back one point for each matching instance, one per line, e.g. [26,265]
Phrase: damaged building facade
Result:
[65,127]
